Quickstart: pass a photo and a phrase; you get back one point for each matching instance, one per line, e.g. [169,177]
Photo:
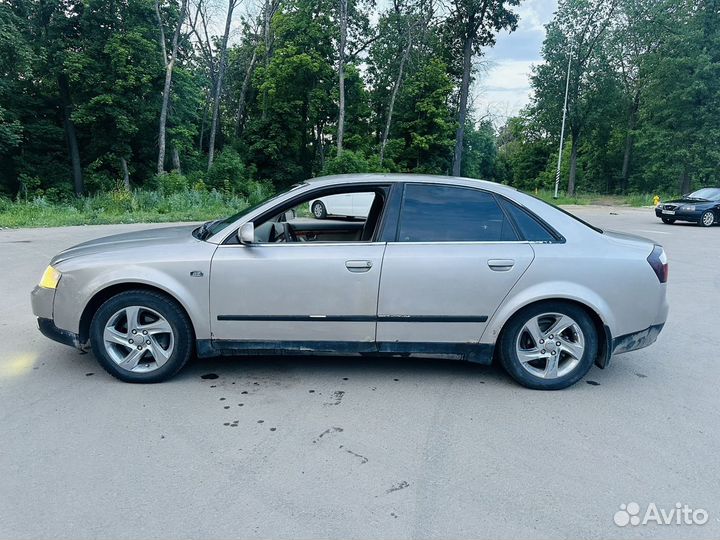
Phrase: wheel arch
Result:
[603,330]
[104,294]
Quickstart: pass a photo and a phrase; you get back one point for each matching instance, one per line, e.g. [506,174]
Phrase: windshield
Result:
[217,226]
[710,194]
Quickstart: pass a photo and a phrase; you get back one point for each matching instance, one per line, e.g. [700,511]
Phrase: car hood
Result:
[695,202]
[164,236]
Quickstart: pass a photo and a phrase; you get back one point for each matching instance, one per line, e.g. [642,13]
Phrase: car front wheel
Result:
[549,346]
[669,221]
[707,219]
[319,210]
[141,336]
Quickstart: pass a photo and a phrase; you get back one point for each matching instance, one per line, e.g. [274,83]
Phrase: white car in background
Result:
[356,205]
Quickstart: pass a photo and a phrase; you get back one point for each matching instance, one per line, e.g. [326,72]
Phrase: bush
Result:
[171,182]
[347,162]
[228,173]
[355,162]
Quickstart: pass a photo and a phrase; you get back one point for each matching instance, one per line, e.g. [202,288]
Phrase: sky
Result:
[503,87]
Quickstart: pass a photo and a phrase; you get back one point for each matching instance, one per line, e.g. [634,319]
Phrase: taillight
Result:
[659,263]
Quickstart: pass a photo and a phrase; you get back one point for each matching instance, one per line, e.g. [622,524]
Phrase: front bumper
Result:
[679,215]
[42,301]
[48,329]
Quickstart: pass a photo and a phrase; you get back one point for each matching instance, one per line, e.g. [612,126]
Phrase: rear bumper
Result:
[48,329]
[636,340]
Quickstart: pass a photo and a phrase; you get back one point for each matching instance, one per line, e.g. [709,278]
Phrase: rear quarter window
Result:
[529,226]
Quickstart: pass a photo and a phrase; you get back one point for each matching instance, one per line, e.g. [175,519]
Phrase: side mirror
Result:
[246,234]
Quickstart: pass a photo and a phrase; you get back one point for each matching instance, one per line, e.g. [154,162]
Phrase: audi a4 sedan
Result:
[701,207]
[440,266]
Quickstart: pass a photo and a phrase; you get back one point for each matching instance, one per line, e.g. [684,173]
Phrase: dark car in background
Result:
[701,207]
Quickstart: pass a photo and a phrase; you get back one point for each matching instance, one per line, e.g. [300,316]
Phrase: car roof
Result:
[405,177]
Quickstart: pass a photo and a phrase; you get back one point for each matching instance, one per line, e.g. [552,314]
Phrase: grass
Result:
[123,207]
[139,206]
[634,200]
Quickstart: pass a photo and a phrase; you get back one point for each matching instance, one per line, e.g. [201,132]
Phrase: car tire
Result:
[159,341]
[707,219]
[319,210]
[669,221]
[517,340]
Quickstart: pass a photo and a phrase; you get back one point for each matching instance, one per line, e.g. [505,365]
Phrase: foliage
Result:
[643,104]
[171,182]
[122,206]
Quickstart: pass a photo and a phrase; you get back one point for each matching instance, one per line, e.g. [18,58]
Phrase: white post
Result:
[562,129]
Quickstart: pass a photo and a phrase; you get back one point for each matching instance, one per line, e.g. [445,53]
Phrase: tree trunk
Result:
[176,159]
[685,181]
[626,161]
[573,166]
[219,83]
[629,140]
[266,60]
[243,92]
[462,113]
[202,125]
[70,135]
[396,87]
[162,32]
[341,75]
[166,90]
[321,145]
[125,172]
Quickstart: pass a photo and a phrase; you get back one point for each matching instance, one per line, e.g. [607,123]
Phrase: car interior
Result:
[297,224]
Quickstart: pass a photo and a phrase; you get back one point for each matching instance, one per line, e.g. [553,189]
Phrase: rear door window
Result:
[436,213]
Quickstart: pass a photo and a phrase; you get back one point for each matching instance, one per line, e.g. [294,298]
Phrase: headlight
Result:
[50,278]
[689,207]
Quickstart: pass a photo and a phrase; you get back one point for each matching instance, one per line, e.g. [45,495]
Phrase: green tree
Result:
[577,35]
[679,128]
[480,151]
[473,25]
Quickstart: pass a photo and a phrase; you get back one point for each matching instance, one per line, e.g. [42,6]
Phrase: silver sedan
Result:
[440,266]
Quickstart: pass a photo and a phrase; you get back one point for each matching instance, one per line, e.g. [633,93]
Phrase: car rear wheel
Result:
[141,336]
[669,221]
[707,219]
[319,210]
[549,346]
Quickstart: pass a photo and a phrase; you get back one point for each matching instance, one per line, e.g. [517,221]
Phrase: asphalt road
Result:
[358,448]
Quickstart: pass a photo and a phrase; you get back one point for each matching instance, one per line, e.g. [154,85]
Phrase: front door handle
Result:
[358,266]
[500,265]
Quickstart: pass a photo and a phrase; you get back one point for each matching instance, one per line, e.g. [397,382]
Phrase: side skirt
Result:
[480,353]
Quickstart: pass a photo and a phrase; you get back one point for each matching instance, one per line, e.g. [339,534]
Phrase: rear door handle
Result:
[358,266]
[501,265]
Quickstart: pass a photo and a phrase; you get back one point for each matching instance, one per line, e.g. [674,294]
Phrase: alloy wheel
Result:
[318,210]
[138,339]
[550,345]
